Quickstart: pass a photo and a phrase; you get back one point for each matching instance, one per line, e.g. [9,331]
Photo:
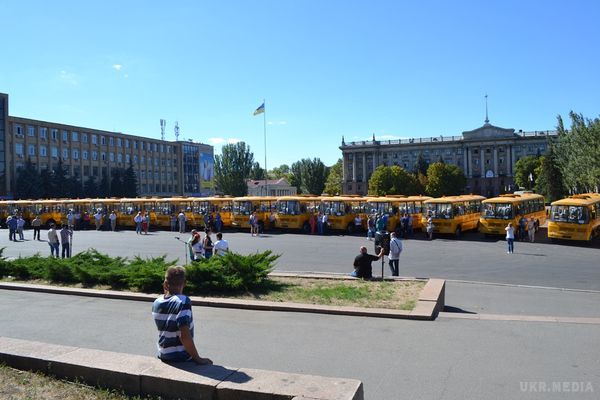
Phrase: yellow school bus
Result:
[16,207]
[295,212]
[263,206]
[384,205]
[50,211]
[575,218]
[497,212]
[129,207]
[453,214]
[340,211]
[212,206]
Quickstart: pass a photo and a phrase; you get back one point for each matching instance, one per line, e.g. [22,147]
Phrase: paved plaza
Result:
[450,358]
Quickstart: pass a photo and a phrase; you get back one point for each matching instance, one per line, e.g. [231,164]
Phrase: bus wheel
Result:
[457,232]
[306,228]
[350,228]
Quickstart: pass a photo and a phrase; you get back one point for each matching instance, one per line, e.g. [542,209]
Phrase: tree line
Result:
[56,183]
[571,164]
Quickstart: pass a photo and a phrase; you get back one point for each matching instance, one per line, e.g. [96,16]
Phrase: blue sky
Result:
[397,69]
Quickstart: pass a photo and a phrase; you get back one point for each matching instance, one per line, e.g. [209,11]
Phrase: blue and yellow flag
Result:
[260,109]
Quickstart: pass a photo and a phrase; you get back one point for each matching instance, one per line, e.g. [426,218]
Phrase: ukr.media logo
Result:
[556,387]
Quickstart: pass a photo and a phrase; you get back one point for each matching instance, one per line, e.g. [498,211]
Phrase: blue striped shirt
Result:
[170,315]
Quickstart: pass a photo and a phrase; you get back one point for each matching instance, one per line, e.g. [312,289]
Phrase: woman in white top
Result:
[510,238]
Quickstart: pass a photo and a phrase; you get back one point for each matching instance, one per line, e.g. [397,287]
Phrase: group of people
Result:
[15,224]
[204,248]
[363,262]
[527,227]
[58,239]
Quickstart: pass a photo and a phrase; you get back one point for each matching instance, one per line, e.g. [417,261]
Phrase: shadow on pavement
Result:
[450,309]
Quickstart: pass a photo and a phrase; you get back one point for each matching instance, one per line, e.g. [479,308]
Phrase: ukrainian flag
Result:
[260,109]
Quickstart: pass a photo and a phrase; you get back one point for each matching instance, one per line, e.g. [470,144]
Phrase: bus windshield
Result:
[570,214]
[288,207]
[242,207]
[498,210]
[440,210]
[380,208]
[333,208]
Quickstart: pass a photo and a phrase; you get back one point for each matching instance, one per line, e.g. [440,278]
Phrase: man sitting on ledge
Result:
[172,314]
[362,263]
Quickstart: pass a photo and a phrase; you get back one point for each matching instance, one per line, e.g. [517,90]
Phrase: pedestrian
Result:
[86,221]
[20,226]
[53,241]
[320,223]
[252,221]
[394,257]
[357,223]
[380,224]
[409,221]
[371,227]
[172,313]
[206,219]
[77,218]
[181,218]
[145,223]
[531,229]
[429,228]
[218,222]
[313,224]
[522,225]
[98,219]
[207,244]
[196,248]
[325,223]
[221,245]
[11,222]
[113,220]
[36,224]
[173,220]
[138,222]
[70,219]
[66,234]
[362,263]
[510,238]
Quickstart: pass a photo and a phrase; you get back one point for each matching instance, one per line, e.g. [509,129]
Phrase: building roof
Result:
[270,182]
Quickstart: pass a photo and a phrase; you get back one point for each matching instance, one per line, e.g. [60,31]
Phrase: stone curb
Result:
[429,304]
[140,375]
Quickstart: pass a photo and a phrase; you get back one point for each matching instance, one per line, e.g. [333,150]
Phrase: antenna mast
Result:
[163,125]
[176,131]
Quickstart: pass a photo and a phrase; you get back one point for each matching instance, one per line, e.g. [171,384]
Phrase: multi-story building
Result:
[487,156]
[271,187]
[163,168]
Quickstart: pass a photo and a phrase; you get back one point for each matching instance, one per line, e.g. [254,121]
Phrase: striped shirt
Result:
[170,314]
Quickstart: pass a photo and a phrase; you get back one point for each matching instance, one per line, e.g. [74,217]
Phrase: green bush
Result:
[229,273]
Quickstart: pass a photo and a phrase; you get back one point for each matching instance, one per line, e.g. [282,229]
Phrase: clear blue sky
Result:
[398,69]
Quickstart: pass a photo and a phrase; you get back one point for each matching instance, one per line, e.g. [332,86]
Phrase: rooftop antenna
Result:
[487,120]
[176,131]
[163,125]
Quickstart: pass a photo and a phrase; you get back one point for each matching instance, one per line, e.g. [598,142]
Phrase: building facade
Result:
[272,187]
[487,156]
[163,168]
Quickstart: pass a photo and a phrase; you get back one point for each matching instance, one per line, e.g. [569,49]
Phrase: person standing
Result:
[20,226]
[325,224]
[394,257]
[195,246]
[429,227]
[36,224]
[53,241]
[409,222]
[371,227]
[86,221]
[138,222]
[313,224]
[145,223]
[113,221]
[522,225]
[173,220]
[510,238]
[531,229]
[70,219]
[320,223]
[98,219]
[218,222]
[357,223]
[207,245]
[11,222]
[221,245]
[66,234]
[181,219]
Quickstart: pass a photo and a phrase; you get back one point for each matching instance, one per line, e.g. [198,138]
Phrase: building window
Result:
[501,160]
[119,157]
[94,155]
[30,130]
[143,174]
[475,151]
[74,137]
[84,137]
[119,142]
[103,156]
[111,157]
[94,139]
[155,147]
[19,149]
[135,159]
[156,175]
[487,151]
[84,155]
[31,150]
[54,152]
[103,140]
[127,158]
[75,154]
[18,130]
[65,154]
[135,144]
[126,143]
[142,144]
[54,134]
[156,162]
[65,136]
[86,170]
[43,151]
[43,133]
[162,148]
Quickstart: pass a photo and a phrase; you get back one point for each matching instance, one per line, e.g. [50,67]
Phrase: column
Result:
[465,162]
[374,160]
[365,180]
[495,161]
[482,166]
[512,160]
[353,167]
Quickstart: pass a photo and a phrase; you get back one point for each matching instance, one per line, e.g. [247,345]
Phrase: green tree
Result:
[117,188]
[130,182]
[60,182]
[232,168]
[421,165]
[578,153]
[103,186]
[549,177]
[74,189]
[335,179]
[526,171]
[257,172]
[392,180]
[313,174]
[283,171]
[48,187]
[28,182]
[90,187]
[445,180]
[295,176]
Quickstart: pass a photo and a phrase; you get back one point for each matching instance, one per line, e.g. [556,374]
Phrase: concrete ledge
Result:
[139,375]
[429,304]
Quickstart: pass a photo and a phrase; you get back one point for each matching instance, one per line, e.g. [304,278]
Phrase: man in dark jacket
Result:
[362,263]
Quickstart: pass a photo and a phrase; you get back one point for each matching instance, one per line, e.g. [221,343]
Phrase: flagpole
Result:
[265,135]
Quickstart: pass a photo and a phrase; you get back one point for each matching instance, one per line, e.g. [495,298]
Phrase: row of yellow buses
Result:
[573,218]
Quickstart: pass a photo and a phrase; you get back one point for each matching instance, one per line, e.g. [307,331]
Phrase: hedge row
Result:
[229,273]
